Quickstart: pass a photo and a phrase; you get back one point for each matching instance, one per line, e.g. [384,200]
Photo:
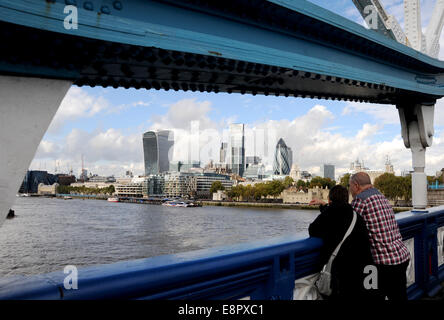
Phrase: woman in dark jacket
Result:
[347,271]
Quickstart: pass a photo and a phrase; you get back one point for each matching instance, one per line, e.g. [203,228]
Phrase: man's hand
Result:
[316,202]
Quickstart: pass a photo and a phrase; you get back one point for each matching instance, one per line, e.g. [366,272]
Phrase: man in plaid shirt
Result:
[390,255]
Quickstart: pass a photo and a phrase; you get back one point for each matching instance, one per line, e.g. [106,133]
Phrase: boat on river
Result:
[175,204]
[113,199]
[185,204]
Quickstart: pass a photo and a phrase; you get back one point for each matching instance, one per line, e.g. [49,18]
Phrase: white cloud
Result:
[77,104]
[181,113]
[384,114]
[310,136]
[105,152]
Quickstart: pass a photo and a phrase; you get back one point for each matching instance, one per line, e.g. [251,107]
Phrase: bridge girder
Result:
[255,47]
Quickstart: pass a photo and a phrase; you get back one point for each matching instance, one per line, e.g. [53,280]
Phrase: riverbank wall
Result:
[218,203]
[276,205]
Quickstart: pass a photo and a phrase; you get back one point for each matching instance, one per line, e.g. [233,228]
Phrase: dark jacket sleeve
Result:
[318,227]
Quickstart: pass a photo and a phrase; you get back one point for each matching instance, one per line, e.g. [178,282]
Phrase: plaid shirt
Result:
[385,239]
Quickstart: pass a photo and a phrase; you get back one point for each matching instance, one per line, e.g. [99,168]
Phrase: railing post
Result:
[281,283]
[432,284]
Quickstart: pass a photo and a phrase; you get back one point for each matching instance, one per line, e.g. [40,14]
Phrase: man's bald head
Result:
[361,178]
[359,182]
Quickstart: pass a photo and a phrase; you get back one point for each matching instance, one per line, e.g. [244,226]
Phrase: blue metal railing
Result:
[261,270]
[436,186]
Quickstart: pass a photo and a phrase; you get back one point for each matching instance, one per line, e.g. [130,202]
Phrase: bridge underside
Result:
[253,47]
[92,62]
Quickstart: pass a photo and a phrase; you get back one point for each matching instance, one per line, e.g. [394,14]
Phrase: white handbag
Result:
[323,283]
[305,288]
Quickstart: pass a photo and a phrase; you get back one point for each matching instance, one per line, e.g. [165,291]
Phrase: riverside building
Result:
[153,186]
[205,180]
[133,190]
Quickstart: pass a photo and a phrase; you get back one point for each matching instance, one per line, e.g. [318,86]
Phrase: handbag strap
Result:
[349,230]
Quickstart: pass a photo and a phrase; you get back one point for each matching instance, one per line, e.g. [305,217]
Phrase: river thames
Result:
[48,233]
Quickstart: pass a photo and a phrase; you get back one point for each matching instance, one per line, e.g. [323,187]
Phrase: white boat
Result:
[113,199]
[175,204]
[67,198]
[23,195]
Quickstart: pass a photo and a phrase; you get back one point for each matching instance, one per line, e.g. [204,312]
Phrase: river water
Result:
[48,233]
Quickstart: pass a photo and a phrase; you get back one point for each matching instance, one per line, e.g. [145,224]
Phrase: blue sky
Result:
[106,124]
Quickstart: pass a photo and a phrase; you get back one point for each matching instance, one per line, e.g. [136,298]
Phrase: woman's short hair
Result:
[338,194]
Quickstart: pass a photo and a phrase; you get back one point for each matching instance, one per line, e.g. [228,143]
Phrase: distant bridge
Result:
[277,47]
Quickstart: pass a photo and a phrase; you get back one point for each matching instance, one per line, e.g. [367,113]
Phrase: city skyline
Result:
[105,124]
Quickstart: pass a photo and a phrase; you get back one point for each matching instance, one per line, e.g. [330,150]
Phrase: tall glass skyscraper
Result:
[283,158]
[223,152]
[156,146]
[237,148]
[328,171]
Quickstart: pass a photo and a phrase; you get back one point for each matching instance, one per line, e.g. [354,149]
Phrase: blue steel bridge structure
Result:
[276,47]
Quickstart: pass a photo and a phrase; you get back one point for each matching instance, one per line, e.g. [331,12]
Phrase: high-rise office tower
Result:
[223,152]
[328,171]
[250,160]
[156,147]
[283,158]
[237,148]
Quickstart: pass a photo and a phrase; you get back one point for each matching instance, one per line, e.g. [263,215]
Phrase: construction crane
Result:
[413,36]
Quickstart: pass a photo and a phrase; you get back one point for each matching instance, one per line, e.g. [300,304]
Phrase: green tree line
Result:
[257,191]
[85,190]
[316,182]
[394,187]
[270,188]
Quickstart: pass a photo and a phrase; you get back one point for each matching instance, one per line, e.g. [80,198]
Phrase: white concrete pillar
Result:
[417,132]
[27,106]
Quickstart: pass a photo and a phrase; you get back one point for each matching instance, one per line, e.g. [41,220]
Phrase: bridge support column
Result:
[27,106]
[417,132]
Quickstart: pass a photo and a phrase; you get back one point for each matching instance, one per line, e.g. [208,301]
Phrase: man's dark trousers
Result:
[392,281]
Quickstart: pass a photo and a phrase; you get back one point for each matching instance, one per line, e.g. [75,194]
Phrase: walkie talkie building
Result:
[156,147]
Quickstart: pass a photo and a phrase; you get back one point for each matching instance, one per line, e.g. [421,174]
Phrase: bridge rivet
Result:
[88,5]
[105,10]
[117,5]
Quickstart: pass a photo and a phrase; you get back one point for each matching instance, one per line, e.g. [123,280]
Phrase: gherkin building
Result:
[283,158]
